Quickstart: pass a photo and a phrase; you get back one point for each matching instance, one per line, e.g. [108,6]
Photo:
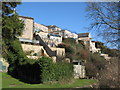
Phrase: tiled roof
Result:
[26,17]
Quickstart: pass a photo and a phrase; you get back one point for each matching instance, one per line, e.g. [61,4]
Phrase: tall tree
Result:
[105,20]
[11,25]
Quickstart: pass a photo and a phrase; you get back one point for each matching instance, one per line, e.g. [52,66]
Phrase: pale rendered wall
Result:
[56,40]
[60,51]
[43,34]
[5,63]
[41,27]
[79,71]
[28,28]
[92,47]
[67,34]
[74,35]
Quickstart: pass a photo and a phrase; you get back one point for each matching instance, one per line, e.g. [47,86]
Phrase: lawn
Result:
[10,82]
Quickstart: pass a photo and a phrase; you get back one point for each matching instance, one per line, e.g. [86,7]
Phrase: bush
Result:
[106,50]
[94,65]
[109,77]
[54,71]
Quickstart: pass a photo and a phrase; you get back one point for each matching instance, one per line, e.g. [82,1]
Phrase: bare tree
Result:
[109,77]
[105,20]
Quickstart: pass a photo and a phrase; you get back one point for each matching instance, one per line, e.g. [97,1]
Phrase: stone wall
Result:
[60,51]
[35,48]
[79,71]
[43,35]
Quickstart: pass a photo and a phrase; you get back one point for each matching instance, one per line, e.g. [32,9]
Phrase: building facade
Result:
[66,34]
[28,28]
[40,27]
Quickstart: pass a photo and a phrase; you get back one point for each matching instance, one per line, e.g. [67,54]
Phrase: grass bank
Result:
[10,82]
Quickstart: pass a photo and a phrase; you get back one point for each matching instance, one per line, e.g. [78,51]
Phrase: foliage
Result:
[8,7]
[105,20]
[41,70]
[14,52]
[106,50]
[109,77]
[54,71]
[29,52]
[69,41]
[11,25]
[94,64]
[82,53]
[71,48]
[35,54]
[68,48]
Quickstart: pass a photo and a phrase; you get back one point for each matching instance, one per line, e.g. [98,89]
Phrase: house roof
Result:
[40,24]
[52,26]
[83,34]
[26,17]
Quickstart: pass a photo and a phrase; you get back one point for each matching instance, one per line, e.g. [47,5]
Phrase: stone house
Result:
[56,39]
[87,40]
[93,47]
[40,27]
[28,28]
[74,35]
[66,34]
[54,30]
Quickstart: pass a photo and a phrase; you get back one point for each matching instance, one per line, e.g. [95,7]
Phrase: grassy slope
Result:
[9,82]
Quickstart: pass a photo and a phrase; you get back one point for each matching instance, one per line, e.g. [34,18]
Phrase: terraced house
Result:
[40,40]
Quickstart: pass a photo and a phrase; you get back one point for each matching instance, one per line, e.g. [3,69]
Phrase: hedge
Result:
[54,71]
[42,70]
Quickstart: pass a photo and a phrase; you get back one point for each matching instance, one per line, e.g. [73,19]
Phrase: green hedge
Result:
[41,70]
[54,71]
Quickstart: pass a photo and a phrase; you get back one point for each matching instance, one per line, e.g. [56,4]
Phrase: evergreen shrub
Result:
[54,71]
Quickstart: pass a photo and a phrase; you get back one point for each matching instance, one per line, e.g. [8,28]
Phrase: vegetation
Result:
[35,71]
[94,65]
[105,20]
[109,77]
[93,61]
[54,71]
[106,50]
[21,67]
[72,49]
[11,28]
[10,82]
